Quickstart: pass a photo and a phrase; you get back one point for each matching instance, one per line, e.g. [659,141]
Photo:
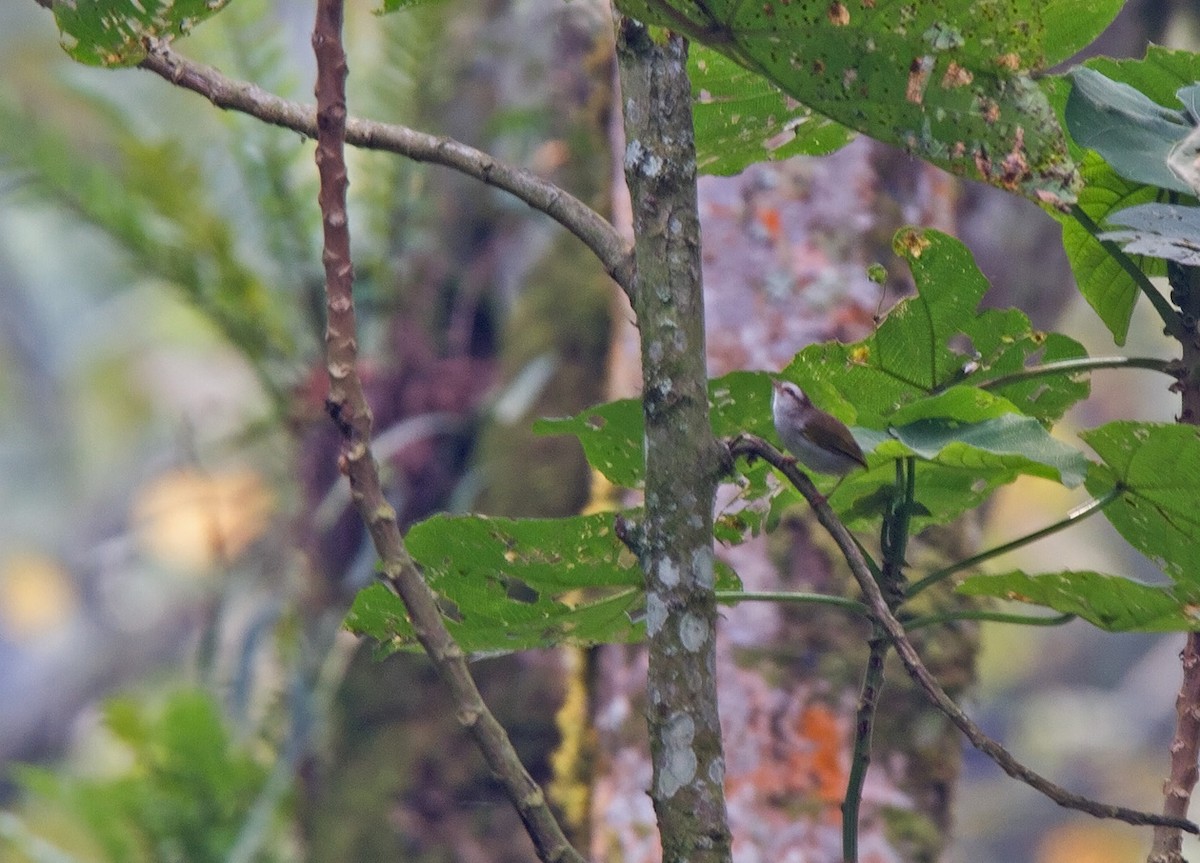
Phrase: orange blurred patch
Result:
[772,222]
[821,725]
[1091,844]
[194,521]
[36,594]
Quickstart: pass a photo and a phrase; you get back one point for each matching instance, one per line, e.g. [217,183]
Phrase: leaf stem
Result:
[991,616]
[732,597]
[1170,317]
[1073,517]
[864,725]
[1080,364]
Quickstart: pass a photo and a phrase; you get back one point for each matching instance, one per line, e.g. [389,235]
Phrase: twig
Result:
[348,407]
[1177,790]
[750,445]
[1185,742]
[578,218]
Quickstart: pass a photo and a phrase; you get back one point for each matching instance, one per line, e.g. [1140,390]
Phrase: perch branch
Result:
[750,445]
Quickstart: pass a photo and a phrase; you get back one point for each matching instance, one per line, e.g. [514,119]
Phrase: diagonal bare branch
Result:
[594,230]
[350,412]
[751,446]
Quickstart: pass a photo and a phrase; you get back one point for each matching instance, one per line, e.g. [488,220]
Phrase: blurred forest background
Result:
[171,521]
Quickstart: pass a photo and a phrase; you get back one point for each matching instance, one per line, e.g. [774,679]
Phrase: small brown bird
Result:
[818,440]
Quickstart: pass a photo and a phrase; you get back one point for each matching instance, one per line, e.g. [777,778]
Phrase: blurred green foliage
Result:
[185,794]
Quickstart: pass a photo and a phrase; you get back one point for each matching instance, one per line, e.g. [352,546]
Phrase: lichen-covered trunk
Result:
[675,540]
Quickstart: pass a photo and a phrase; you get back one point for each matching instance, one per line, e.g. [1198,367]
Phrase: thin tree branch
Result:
[750,445]
[581,220]
[1185,742]
[1177,790]
[348,407]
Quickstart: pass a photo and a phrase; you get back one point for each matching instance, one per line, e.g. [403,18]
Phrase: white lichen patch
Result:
[668,573]
[693,632]
[679,758]
[656,613]
[702,566]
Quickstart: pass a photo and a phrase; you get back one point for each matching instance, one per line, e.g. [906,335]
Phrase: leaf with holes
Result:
[114,32]
[936,340]
[1107,601]
[1157,466]
[517,584]
[948,80]
[742,118]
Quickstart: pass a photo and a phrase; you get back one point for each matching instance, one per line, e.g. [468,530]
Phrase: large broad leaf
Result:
[1167,231]
[509,584]
[949,80]
[1157,466]
[742,118]
[1133,133]
[1160,77]
[114,32]
[1107,601]
[903,375]
[1107,287]
[1008,442]
[935,340]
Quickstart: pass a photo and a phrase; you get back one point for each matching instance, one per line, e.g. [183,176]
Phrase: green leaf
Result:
[1133,133]
[1160,76]
[390,6]
[114,32]
[611,435]
[151,200]
[508,584]
[742,118]
[946,79]
[906,371]
[1166,231]
[1005,443]
[1157,466]
[1109,290]
[1110,602]
[957,404]
[1071,25]
[910,356]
